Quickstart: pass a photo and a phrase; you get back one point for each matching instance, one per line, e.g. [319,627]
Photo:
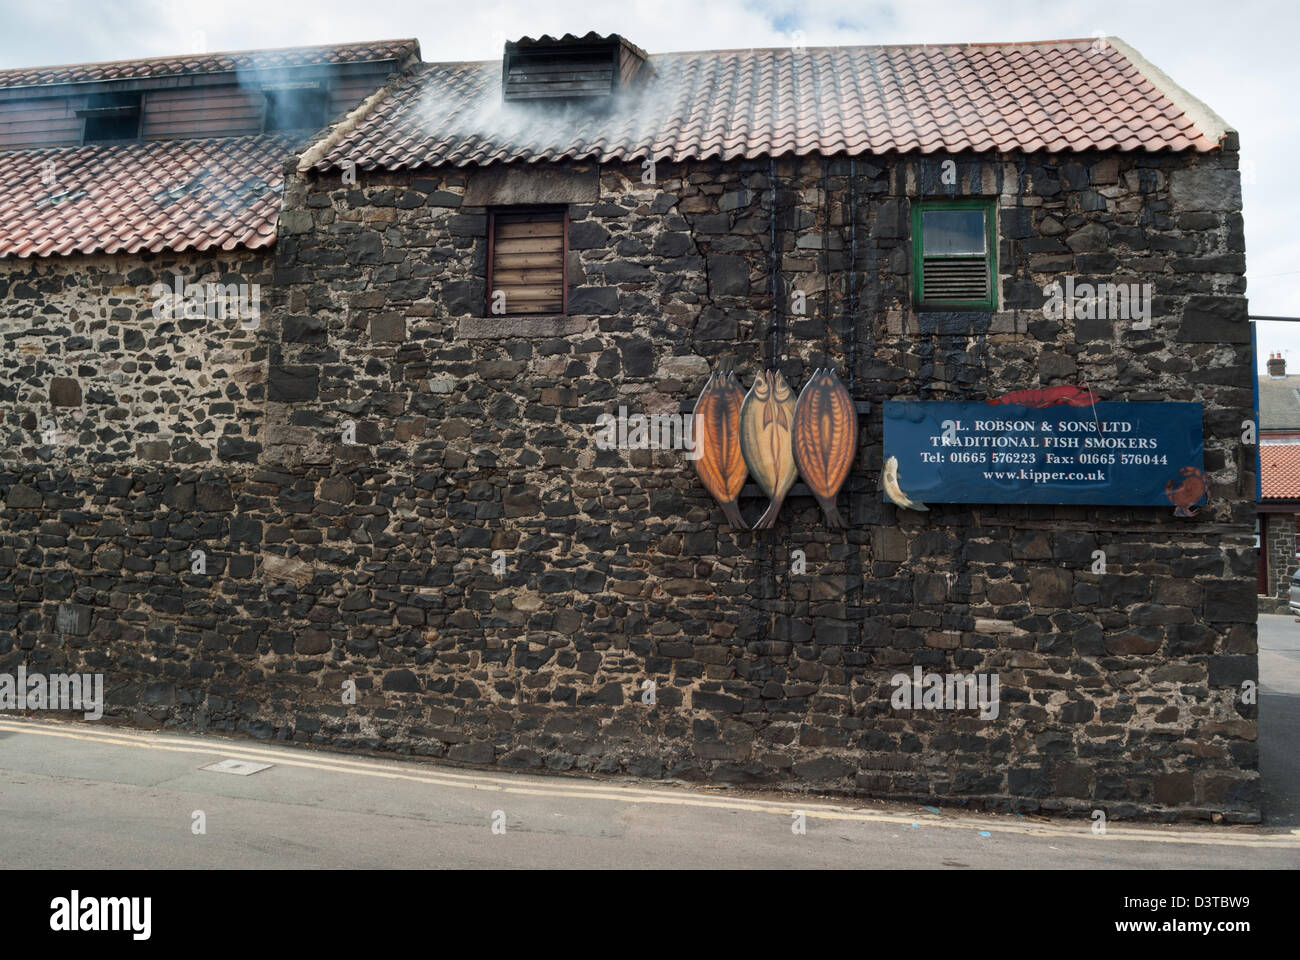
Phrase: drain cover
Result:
[240,768]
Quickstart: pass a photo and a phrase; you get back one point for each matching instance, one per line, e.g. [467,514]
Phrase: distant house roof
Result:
[1279,471]
[232,61]
[1065,96]
[1279,403]
[157,195]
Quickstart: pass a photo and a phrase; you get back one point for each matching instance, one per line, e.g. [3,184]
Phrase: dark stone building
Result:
[394,478]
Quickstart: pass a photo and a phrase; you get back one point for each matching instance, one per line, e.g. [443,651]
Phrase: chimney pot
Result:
[1276,366]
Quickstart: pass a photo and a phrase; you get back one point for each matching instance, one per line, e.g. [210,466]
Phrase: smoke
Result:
[460,111]
[724,102]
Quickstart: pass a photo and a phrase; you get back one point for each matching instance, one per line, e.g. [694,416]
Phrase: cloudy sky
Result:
[1238,57]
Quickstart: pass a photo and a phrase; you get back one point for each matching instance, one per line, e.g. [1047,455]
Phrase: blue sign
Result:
[1124,454]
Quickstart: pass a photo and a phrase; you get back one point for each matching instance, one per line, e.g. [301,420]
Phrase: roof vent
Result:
[571,69]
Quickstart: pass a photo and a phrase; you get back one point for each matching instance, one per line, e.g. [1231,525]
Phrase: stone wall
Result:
[89,373]
[373,562]
[1282,562]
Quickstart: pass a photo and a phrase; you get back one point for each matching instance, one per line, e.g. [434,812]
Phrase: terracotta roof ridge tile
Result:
[917,47]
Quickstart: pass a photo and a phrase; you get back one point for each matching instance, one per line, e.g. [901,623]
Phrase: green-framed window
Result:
[954,255]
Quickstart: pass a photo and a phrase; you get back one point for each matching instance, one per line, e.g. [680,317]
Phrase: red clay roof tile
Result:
[1069,95]
[211,63]
[197,194]
[165,194]
[1279,468]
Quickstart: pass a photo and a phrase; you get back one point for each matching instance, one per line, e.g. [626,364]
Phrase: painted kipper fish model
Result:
[766,422]
[825,437]
[889,482]
[719,463]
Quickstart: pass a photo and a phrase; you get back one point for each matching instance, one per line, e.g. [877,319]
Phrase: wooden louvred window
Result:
[526,262]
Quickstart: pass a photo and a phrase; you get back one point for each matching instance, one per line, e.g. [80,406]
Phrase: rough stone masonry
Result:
[373,562]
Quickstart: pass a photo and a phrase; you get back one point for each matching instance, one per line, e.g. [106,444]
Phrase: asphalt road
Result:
[90,796]
[86,796]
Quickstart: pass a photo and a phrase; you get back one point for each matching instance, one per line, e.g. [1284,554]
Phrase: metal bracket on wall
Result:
[801,490]
[861,406]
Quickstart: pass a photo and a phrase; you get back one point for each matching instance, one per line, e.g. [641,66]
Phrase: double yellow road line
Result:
[666,795]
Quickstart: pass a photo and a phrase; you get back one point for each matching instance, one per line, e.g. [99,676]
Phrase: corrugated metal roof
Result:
[1068,95]
[546,40]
